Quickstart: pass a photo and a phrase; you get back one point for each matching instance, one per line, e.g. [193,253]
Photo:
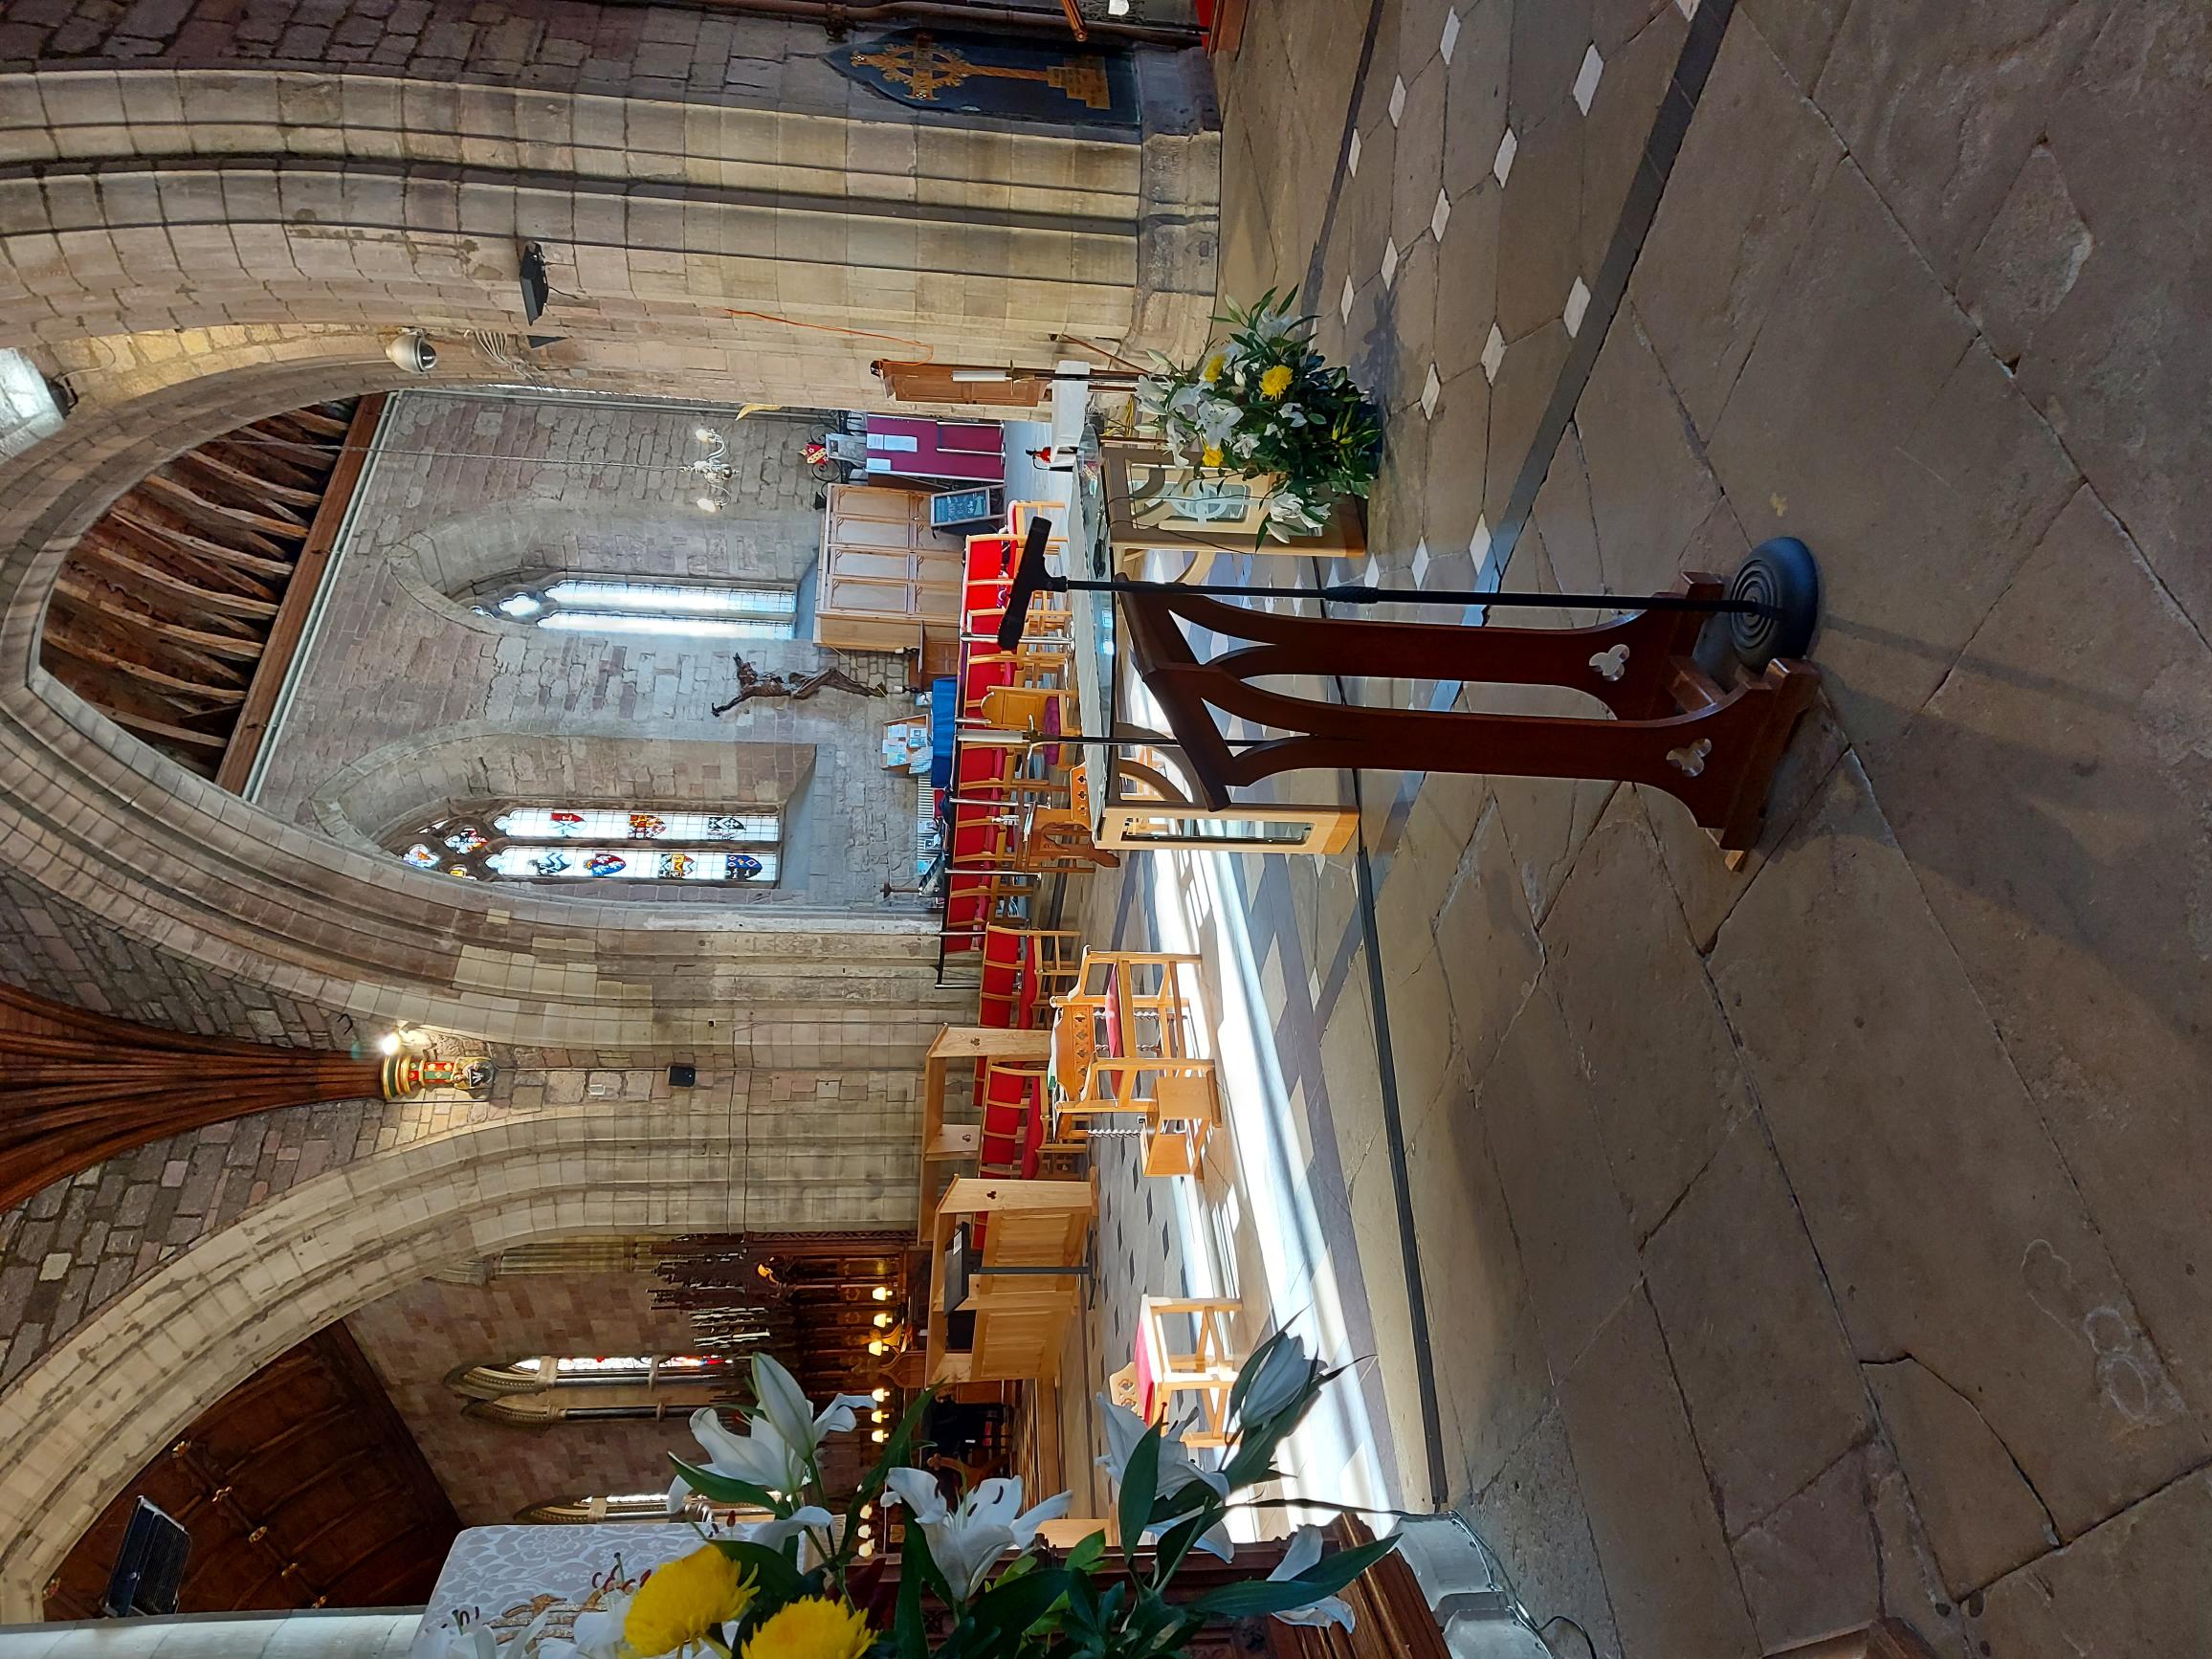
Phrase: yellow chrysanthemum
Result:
[815,1629]
[1211,457]
[1276,381]
[683,1601]
[1214,365]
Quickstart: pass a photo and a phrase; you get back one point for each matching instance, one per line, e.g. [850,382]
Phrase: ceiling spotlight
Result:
[879,1436]
[876,1346]
[881,1292]
[879,1416]
[883,1321]
[867,1549]
[411,349]
[388,1044]
[880,1395]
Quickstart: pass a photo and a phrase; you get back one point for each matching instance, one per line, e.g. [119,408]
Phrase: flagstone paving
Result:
[1826,1236]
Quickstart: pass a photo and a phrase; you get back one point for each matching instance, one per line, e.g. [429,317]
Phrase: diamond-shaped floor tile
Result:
[1441,217]
[1352,158]
[1389,261]
[1421,563]
[1507,147]
[1586,78]
[1688,8]
[1450,33]
[1493,354]
[1478,545]
[1396,98]
[1431,388]
[1578,305]
[1345,305]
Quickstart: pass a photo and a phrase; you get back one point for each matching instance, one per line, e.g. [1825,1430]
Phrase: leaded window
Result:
[565,843]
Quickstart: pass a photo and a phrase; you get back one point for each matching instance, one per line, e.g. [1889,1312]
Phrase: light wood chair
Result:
[1025,708]
[1122,1042]
[1041,963]
[1207,1368]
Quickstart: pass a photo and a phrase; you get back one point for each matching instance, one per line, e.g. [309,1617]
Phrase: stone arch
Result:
[77,1425]
[161,856]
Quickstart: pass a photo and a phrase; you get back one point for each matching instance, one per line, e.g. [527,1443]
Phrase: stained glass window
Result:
[532,842]
[588,604]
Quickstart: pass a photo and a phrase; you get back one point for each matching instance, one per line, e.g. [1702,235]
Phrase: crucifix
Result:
[753,683]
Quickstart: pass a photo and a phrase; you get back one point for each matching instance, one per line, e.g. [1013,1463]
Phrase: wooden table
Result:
[1020,1317]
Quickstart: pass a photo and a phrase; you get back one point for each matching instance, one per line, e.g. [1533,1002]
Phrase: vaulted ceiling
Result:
[300,1488]
[179,612]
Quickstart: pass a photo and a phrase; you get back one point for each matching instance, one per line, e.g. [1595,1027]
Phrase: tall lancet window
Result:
[613,605]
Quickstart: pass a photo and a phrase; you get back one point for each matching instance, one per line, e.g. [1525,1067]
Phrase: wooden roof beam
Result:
[160,539]
[134,572]
[247,488]
[169,684]
[181,498]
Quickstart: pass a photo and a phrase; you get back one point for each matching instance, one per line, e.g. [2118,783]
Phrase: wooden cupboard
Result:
[884,571]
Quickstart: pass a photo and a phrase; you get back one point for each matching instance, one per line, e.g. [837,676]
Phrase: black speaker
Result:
[683,1077]
[150,1565]
[537,290]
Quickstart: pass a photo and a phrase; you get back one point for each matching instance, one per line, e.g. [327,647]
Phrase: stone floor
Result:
[1821,1237]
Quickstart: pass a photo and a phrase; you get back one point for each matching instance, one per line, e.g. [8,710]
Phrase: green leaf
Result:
[1014,1605]
[1255,1597]
[1324,1577]
[1339,1567]
[1175,1544]
[1139,1487]
[917,1571]
[776,1579]
[723,1488]
[1088,1553]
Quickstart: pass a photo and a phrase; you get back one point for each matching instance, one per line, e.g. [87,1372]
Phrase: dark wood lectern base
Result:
[1712,747]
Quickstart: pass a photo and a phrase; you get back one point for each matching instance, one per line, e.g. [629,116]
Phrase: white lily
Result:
[794,1417]
[476,1641]
[966,1543]
[778,1531]
[1303,1553]
[1178,1468]
[761,1455]
[1284,1371]
[598,1632]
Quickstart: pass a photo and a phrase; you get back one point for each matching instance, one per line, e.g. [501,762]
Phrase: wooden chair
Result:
[1207,1368]
[1025,708]
[1023,968]
[1120,1044]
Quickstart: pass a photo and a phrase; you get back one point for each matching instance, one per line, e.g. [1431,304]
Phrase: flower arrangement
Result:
[783,1588]
[1265,402]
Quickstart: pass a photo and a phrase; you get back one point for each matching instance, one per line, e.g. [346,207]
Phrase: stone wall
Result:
[490,1469]
[673,51]
[408,697]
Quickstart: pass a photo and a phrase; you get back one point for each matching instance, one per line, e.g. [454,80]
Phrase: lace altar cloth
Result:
[507,1574]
